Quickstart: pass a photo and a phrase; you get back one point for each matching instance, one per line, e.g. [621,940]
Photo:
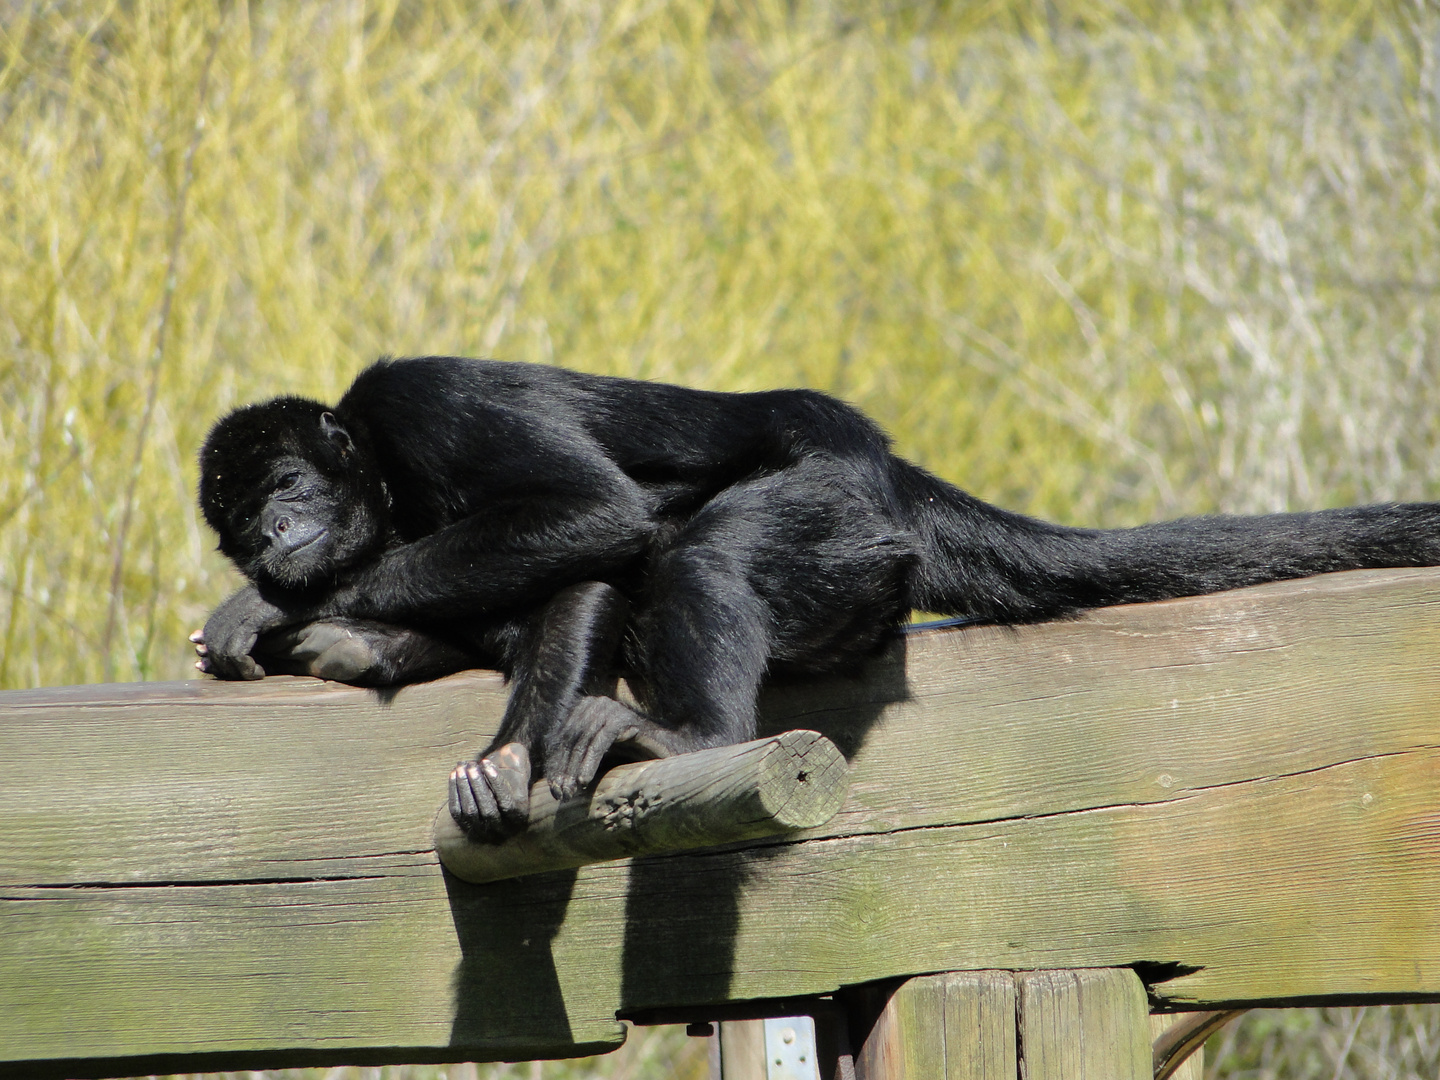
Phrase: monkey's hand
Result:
[490,798]
[594,728]
[231,632]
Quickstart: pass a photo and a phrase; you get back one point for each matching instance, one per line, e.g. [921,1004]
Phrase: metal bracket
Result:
[790,1049]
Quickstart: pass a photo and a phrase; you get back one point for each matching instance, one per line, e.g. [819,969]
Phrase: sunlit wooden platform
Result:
[1235,797]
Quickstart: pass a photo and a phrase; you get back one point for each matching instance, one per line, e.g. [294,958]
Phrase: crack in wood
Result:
[198,883]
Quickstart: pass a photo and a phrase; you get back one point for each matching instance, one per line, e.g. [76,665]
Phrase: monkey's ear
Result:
[335,433]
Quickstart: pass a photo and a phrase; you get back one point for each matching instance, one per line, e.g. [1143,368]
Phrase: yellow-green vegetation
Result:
[1102,264]
[1399,1043]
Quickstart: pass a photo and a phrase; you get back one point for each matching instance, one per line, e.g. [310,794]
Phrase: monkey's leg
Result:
[567,655]
[796,570]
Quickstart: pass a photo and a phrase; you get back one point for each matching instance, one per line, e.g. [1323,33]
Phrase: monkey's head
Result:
[294,498]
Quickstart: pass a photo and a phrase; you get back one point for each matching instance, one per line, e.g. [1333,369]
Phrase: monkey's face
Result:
[290,494]
[305,528]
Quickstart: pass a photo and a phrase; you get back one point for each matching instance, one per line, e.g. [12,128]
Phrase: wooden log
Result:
[1083,1025]
[796,780]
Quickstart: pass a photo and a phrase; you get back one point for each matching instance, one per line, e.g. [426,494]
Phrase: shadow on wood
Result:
[506,979]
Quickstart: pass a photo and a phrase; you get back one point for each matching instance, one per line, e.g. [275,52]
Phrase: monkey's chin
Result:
[305,567]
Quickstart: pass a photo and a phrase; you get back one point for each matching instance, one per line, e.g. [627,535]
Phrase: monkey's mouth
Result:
[296,565]
[297,548]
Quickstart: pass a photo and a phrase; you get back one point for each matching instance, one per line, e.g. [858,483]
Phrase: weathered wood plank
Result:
[1241,787]
[1132,704]
[1274,889]
[369,969]
[207,781]
[1083,1025]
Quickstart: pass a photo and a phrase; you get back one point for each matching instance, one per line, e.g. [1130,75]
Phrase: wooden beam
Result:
[1235,795]
[768,787]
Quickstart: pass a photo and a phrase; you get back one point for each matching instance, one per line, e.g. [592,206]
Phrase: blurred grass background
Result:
[1104,265]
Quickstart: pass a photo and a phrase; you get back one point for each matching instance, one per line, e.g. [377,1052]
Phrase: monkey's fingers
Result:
[472,804]
[601,726]
[235,667]
[249,671]
[512,757]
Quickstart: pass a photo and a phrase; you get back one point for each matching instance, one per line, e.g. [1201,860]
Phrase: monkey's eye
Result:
[286,482]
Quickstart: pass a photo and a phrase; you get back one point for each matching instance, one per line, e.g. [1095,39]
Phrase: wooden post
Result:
[955,1026]
[1083,1025]
[792,781]
[995,1025]
[813,1043]
[1193,1067]
[742,1050]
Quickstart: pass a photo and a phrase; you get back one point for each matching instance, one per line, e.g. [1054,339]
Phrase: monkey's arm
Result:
[231,633]
[249,637]
[513,553]
[362,653]
[565,516]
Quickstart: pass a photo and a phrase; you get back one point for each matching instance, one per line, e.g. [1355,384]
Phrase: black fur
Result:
[750,532]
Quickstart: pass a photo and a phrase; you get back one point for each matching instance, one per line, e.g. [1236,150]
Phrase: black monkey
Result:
[771,531]
[294,507]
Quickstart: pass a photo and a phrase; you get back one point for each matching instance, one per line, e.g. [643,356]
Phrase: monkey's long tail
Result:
[985,563]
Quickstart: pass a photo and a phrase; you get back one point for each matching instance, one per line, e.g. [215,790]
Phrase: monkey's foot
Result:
[341,650]
[597,725]
[490,798]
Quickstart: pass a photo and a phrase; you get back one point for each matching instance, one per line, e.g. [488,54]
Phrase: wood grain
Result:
[742,1050]
[1236,795]
[1000,1025]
